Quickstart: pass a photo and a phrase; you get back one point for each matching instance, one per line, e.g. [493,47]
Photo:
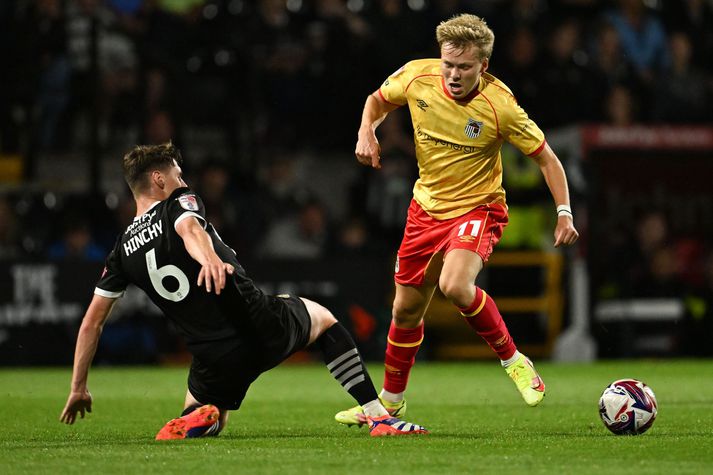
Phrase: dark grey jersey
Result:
[151,255]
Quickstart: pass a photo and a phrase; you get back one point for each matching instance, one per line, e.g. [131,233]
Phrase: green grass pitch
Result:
[478,423]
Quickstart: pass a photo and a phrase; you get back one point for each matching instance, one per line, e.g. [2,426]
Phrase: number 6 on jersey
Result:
[157,274]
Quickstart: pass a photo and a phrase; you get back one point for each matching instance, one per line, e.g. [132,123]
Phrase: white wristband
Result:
[564,210]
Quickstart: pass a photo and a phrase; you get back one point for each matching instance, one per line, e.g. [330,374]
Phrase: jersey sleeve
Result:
[185,205]
[112,283]
[393,90]
[521,131]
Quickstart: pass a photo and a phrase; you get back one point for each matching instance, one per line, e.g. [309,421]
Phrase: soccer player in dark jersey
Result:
[234,331]
[461,116]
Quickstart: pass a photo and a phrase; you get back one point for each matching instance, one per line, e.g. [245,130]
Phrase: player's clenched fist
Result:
[565,232]
[368,151]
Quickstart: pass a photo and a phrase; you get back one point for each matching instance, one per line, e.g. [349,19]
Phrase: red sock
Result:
[401,348]
[484,317]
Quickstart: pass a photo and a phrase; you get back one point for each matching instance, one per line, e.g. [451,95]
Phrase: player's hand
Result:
[213,275]
[77,402]
[565,233]
[368,151]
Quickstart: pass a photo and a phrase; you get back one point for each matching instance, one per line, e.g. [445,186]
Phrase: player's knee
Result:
[327,319]
[324,317]
[460,293]
[406,315]
[320,317]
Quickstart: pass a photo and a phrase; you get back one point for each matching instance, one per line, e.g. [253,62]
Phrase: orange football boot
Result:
[180,428]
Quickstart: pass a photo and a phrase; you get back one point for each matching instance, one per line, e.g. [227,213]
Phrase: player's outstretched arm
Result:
[553,171]
[367,147]
[80,400]
[200,247]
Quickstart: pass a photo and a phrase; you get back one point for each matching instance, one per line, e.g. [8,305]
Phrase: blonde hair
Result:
[465,30]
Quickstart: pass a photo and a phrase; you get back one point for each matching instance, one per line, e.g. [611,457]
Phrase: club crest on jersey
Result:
[473,128]
[188,202]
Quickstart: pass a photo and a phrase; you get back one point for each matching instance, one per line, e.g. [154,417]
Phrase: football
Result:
[628,407]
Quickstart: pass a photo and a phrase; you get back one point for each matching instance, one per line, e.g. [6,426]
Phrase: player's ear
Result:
[484,66]
[157,178]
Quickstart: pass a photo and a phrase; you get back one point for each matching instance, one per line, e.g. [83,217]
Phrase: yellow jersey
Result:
[458,141]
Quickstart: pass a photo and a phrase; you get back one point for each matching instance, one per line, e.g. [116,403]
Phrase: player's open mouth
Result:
[455,87]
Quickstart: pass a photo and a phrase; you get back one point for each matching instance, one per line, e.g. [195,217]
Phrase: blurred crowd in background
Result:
[264,97]
[295,72]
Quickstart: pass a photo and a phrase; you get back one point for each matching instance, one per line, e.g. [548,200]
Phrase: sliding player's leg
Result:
[403,342]
[217,384]
[197,420]
[346,366]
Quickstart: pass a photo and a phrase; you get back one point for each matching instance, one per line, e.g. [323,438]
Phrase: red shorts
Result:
[479,230]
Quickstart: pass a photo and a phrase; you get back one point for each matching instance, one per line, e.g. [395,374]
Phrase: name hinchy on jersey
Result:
[142,237]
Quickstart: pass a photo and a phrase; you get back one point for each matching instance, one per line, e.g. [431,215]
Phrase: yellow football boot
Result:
[528,382]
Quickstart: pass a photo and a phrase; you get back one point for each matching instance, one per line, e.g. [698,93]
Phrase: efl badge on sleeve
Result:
[473,128]
[188,202]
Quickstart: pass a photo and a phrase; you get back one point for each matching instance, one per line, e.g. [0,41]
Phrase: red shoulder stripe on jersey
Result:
[419,76]
[509,93]
[497,122]
[445,91]
[384,99]
[538,149]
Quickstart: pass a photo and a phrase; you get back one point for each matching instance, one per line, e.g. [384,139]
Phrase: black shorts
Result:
[285,325]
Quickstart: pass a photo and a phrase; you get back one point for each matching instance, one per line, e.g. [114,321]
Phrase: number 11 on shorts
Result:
[474,227]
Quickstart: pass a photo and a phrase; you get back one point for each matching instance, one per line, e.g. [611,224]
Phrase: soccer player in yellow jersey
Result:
[461,115]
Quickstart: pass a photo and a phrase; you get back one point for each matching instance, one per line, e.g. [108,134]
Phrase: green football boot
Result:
[528,382]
